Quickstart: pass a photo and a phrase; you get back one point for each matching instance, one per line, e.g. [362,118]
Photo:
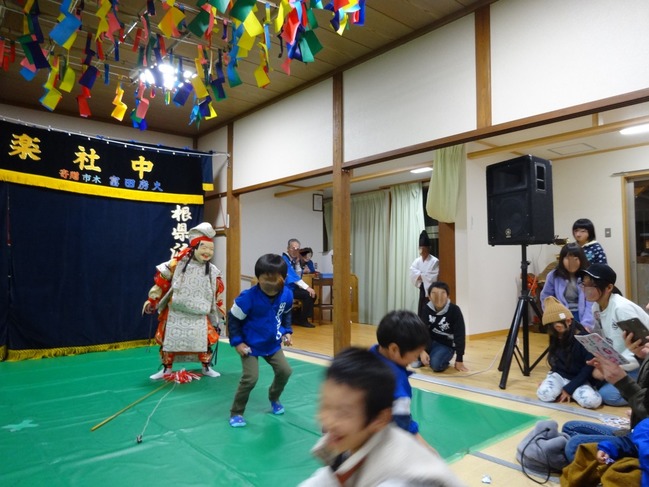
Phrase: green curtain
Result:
[369,244]
[444,188]
[406,223]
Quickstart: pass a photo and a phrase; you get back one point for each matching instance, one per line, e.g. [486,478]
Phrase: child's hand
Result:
[243,349]
[424,358]
[602,457]
[635,345]
[287,340]
[564,397]
[610,370]
[460,366]
[597,375]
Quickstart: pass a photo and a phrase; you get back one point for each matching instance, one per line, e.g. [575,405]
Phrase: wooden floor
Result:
[480,384]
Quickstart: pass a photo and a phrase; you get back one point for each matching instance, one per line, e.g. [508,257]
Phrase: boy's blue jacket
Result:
[260,321]
[402,395]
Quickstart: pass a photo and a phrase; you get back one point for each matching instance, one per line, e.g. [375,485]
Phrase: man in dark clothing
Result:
[301,290]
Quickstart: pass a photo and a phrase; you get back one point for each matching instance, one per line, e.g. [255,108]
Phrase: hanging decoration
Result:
[243,25]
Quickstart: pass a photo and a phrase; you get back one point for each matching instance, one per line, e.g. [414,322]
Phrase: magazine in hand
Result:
[597,345]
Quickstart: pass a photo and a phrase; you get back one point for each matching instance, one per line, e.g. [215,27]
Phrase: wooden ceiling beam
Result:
[354,179]
[562,137]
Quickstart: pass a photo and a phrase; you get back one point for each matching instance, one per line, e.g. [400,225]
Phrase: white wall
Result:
[268,222]
[552,54]
[286,138]
[420,91]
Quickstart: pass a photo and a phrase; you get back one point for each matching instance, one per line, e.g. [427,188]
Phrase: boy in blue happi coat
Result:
[401,337]
[259,322]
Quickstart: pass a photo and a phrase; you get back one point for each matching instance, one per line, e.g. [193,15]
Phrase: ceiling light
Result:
[421,169]
[637,129]
[147,76]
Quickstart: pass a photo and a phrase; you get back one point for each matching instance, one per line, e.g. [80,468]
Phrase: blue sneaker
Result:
[277,407]
[237,421]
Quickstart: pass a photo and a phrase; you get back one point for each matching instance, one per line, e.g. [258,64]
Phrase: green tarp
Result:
[48,407]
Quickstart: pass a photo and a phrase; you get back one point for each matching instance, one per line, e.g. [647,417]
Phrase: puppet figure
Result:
[188,294]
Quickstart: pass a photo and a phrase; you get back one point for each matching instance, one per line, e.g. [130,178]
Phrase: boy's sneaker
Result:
[416,364]
[277,407]
[237,421]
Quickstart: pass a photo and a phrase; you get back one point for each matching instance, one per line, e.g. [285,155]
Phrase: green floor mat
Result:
[48,407]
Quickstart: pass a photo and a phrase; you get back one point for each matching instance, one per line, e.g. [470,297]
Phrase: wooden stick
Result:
[110,418]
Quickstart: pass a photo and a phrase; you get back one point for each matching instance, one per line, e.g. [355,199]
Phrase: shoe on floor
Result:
[210,372]
[277,408]
[416,364]
[306,324]
[160,374]
[237,421]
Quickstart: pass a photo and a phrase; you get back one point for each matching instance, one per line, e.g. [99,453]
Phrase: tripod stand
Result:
[521,317]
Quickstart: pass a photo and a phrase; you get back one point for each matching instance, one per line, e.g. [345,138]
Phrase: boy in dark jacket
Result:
[446,327]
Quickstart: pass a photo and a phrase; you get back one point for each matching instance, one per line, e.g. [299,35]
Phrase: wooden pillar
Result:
[232,232]
[483,66]
[447,256]
[342,312]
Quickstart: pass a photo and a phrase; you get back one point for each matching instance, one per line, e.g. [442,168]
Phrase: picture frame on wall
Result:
[317,202]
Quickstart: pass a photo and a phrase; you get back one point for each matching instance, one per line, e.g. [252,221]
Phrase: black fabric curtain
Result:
[75,268]
[4,268]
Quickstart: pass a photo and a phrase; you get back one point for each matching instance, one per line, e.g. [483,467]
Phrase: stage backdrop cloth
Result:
[83,223]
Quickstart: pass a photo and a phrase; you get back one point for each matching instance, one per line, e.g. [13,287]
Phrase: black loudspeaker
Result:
[519,202]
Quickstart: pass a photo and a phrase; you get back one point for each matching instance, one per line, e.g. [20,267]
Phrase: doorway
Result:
[637,195]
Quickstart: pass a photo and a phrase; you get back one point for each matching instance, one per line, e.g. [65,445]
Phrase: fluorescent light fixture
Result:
[637,129]
[421,169]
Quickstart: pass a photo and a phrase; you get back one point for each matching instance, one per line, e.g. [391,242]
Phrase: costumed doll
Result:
[188,294]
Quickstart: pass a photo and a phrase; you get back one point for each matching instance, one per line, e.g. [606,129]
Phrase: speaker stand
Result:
[521,318]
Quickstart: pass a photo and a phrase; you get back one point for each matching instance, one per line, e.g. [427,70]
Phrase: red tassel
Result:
[181,377]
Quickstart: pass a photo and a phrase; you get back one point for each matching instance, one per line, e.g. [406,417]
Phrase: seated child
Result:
[447,331]
[569,375]
[259,322]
